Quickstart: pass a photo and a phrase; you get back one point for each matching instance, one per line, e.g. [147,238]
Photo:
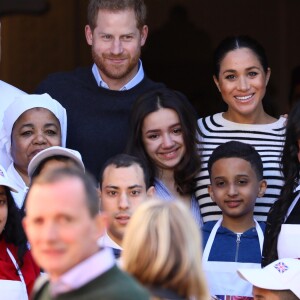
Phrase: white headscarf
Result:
[19,106]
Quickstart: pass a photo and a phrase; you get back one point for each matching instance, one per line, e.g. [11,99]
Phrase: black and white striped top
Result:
[268,140]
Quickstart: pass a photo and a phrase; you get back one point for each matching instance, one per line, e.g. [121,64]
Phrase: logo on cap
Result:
[281,267]
[1,173]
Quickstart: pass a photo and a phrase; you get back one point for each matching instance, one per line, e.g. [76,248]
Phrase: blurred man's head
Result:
[62,219]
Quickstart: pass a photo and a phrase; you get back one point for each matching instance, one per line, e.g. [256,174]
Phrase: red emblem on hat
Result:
[281,267]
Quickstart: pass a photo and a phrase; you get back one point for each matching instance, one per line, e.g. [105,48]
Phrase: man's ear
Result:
[210,191]
[262,188]
[151,191]
[89,35]
[144,34]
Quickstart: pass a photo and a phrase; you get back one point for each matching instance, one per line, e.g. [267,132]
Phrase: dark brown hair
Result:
[138,6]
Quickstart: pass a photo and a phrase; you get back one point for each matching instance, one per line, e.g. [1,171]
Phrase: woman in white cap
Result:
[31,124]
[18,270]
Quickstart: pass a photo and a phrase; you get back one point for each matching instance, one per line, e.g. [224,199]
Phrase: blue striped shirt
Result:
[162,192]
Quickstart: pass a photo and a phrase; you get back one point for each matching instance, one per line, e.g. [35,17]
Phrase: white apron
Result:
[288,245]
[222,277]
[12,289]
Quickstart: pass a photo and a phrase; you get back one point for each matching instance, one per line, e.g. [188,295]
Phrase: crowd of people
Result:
[111,188]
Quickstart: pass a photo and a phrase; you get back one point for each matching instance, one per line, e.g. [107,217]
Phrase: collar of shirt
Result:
[84,272]
[106,241]
[129,85]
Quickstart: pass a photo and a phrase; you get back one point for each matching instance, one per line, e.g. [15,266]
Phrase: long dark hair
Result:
[290,168]
[189,166]
[14,232]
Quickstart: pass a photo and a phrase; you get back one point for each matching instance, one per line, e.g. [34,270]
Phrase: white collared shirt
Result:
[92,267]
[129,85]
[106,241]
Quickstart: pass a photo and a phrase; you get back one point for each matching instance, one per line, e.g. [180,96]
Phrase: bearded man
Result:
[98,99]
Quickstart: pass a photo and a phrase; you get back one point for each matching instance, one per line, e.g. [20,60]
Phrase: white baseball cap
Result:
[282,274]
[53,151]
[4,180]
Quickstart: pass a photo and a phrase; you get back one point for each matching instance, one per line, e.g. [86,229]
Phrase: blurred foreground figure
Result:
[63,225]
[162,249]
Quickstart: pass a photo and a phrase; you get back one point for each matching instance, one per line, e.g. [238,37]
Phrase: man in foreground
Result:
[63,224]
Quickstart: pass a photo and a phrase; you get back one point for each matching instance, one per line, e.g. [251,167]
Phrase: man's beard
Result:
[116,71]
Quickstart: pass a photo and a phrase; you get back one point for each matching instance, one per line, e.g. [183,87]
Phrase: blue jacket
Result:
[228,247]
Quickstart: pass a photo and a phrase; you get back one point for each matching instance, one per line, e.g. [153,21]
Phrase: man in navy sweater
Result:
[98,99]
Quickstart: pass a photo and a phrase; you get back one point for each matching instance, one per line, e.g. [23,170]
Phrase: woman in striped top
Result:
[241,74]
[163,134]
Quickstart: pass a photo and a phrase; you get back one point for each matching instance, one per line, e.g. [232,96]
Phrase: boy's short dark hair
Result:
[239,150]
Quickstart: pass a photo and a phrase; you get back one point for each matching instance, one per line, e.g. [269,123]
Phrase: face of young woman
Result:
[3,208]
[242,82]
[35,130]
[163,138]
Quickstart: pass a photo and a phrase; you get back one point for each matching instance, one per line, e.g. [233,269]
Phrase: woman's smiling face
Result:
[163,138]
[242,82]
[35,130]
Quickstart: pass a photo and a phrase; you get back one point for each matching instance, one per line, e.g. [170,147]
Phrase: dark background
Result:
[178,51]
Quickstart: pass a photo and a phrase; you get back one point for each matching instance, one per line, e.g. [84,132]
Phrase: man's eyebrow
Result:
[135,186]
[110,186]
